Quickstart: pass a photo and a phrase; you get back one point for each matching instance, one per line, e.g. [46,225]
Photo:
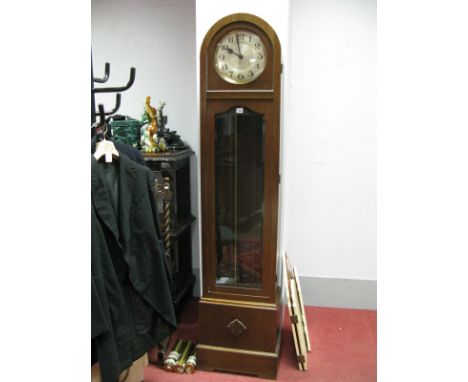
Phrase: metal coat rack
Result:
[117,90]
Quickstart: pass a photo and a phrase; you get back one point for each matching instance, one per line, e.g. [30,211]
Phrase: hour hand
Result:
[231,51]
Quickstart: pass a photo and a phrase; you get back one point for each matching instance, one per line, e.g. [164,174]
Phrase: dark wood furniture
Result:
[172,174]
[240,310]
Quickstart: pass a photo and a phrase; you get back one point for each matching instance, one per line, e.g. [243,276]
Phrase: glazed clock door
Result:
[239,202]
[242,208]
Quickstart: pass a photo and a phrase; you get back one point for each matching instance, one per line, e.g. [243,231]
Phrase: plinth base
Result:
[239,337]
[256,363]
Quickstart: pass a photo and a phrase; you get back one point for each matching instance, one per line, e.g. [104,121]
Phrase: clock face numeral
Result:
[240,56]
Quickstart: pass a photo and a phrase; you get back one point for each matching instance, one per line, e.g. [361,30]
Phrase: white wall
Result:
[329,140]
[156,37]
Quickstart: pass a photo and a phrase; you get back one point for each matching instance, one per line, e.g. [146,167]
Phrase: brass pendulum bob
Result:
[174,355]
[191,363]
[180,364]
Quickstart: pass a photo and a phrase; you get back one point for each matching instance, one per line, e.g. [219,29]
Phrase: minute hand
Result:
[238,46]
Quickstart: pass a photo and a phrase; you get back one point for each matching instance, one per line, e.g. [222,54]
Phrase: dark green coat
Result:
[131,309]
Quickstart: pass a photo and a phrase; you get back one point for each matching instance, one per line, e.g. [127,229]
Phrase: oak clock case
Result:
[240,311]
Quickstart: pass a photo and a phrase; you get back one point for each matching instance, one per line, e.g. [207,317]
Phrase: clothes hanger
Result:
[104,148]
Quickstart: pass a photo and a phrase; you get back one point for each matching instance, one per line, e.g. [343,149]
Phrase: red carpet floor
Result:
[343,341]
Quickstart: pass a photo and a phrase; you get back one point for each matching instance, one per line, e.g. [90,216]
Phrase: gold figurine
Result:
[148,136]
[153,122]
[149,141]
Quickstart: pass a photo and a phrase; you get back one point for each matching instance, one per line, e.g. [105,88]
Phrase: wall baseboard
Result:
[329,292]
[339,293]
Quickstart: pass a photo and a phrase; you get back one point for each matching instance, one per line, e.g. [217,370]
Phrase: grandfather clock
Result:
[240,310]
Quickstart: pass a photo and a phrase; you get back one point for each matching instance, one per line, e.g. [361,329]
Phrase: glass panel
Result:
[239,198]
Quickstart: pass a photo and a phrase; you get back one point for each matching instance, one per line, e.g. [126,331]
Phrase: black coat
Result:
[132,308]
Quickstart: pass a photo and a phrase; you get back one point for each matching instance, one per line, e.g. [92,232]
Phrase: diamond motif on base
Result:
[236,327]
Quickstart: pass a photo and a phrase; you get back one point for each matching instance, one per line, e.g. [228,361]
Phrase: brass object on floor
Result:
[162,349]
[174,355]
[191,364]
[180,365]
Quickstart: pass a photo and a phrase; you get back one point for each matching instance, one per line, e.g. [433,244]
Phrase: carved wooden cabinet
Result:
[240,310]
[172,177]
